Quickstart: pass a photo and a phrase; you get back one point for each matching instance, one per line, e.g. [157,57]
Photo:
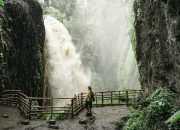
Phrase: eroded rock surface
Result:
[158,47]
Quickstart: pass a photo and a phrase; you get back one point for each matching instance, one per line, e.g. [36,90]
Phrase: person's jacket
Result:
[89,96]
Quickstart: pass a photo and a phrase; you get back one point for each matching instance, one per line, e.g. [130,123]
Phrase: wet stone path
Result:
[104,118]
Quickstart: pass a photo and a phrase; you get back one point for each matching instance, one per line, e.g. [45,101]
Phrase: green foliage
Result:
[55,13]
[59,116]
[174,119]
[47,117]
[63,10]
[1,2]
[154,115]
[53,116]
[139,12]
[133,39]
[35,105]
[132,34]
[66,7]
[135,121]
[107,100]
[161,94]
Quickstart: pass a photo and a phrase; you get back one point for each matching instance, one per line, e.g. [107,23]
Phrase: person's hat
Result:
[89,87]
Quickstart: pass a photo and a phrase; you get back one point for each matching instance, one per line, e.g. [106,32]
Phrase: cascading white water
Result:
[100,31]
[63,64]
[109,22]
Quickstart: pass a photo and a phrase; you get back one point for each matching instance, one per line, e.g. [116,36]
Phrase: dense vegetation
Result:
[1,2]
[157,33]
[159,107]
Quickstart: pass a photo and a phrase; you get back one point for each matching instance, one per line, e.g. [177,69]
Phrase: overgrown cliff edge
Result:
[157,25]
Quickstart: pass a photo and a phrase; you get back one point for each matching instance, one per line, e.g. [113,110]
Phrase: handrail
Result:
[45,98]
[12,91]
[76,104]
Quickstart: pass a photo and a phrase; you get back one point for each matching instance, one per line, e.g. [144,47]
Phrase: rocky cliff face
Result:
[158,43]
[22,37]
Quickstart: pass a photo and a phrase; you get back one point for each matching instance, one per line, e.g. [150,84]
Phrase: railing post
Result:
[79,101]
[119,97]
[72,110]
[111,98]
[102,98]
[96,98]
[127,98]
[82,99]
[18,99]
[75,103]
[134,94]
[10,100]
[51,108]
[30,103]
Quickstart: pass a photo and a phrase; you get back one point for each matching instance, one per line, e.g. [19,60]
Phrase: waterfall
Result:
[64,74]
[109,22]
[100,32]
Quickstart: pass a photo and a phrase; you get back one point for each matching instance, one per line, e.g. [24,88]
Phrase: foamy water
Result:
[63,64]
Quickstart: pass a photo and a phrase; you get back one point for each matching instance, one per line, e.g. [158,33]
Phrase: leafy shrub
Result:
[139,12]
[174,120]
[154,115]
[35,105]
[54,116]
[135,121]
[161,94]
[1,2]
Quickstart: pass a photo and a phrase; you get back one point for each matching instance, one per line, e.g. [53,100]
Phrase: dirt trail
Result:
[104,118]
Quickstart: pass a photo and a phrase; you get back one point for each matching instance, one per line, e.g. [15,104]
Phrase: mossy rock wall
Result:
[21,46]
[158,43]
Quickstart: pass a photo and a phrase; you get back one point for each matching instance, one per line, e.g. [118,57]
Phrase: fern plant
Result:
[175,118]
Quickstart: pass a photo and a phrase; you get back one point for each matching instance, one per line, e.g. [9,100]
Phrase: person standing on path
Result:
[88,101]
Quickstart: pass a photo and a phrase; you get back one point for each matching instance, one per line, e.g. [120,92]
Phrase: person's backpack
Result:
[92,96]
